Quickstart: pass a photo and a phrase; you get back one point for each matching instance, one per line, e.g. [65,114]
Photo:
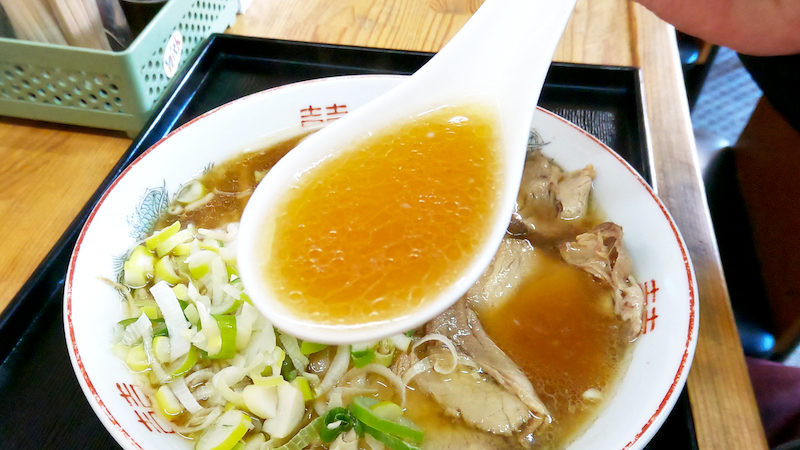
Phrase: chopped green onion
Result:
[207,338]
[232,271]
[246,317]
[138,269]
[359,347]
[361,408]
[400,341]
[160,236]
[287,370]
[335,422]
[255,442]
[151,311]
[181,390]
[271,380]
[181,366]
[181,291]
[301,383]
[246,298]
[387,410]
[231,301]
[292,348]
[210,244]
[261,400]
[191,192]
[184,249]
[191,314]
[226,432]
[389,441]
[384,352]
[305,437]
[125,322]
[173,241]
[384,359]
[227,336]
[276,361]
[307,347]
[167,403]
[136,359]
[291,410]
[174,319]
[165,270]
[200,263]
[159,327]
[161,349]
[362,357]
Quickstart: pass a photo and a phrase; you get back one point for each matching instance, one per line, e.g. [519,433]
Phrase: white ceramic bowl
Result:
[646,393]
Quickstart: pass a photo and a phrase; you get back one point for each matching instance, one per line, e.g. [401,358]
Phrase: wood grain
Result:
[398,24]
[723,405]
[598,31]
[48,174]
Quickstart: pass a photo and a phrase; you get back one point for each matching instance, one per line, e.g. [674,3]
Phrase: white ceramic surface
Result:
[661,357]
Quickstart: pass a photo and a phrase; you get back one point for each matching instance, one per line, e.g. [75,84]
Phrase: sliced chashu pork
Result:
[514,261]
[549,198]
[497,398]
[470,395]
[461,325]
[572,193]
[467,439]
[600,252]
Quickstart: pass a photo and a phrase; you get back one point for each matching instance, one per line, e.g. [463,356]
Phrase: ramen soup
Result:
[380,229]
[526,359]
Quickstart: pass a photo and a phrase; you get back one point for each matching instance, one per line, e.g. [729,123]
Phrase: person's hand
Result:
[753,27]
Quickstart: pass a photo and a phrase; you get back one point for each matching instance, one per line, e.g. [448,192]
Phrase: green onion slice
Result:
[362,357]
[181,366]
[335,422]
[160,236]
[401,427]
[227,335]
[389,440]
[138,269]
[305,437]
[307,347]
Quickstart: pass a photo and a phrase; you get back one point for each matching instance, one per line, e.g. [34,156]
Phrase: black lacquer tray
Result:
[43,406]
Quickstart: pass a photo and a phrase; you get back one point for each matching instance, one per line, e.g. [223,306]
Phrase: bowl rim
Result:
[122,436]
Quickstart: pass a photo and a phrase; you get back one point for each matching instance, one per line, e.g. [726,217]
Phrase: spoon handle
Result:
[504,51]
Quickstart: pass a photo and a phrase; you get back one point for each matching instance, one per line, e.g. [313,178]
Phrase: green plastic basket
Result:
[104,89]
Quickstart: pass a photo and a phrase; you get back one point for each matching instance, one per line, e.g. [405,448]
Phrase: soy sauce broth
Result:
[376,231]
[232,183]
[561,330]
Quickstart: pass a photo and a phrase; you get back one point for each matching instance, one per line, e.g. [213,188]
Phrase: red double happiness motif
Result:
[318,115]
[650,289]
[140,404]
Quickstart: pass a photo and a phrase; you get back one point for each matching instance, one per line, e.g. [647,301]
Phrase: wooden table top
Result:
[49,171]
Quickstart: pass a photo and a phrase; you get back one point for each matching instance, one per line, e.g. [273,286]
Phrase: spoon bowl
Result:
[497,61]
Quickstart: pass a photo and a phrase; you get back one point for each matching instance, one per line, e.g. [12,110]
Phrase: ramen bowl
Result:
[644,395]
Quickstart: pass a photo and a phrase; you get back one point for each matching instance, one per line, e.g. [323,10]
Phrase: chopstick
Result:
[33,21]
[63,22]
[80,22]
